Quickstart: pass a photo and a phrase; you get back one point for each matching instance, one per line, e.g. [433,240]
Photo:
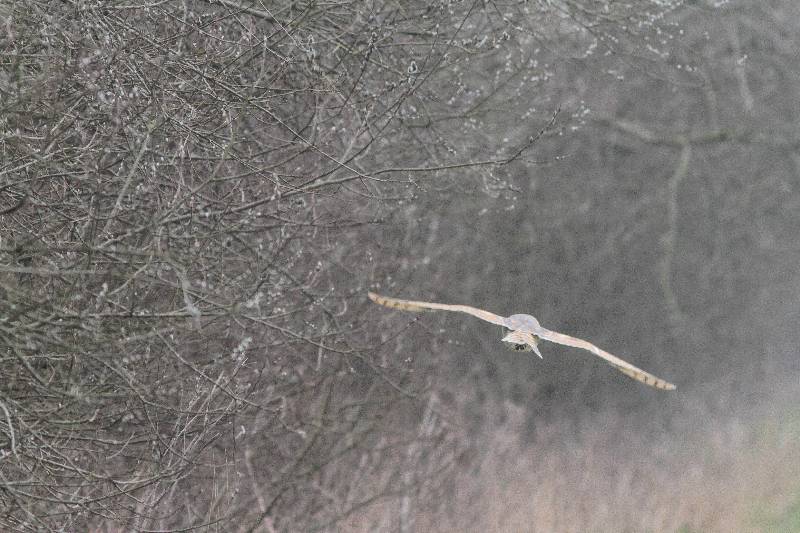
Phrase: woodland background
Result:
[195,197]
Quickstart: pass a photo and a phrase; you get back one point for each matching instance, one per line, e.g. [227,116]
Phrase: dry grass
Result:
[611,474]
[698,472]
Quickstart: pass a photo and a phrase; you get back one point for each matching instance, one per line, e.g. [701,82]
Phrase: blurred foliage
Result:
[787,522]
[660,225]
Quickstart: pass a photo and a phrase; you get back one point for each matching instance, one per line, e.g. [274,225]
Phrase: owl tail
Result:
[526,340]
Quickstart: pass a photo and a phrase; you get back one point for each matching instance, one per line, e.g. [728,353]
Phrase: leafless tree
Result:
[183,334]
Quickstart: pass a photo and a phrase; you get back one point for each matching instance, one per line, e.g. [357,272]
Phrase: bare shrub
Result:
[183,342]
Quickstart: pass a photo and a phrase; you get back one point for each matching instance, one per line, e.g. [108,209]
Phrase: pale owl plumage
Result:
[525,331]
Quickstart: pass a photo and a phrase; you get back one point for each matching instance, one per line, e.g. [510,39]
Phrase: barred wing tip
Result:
[647,379]
[666,385]
[661,384]
[382,300]
[396,303]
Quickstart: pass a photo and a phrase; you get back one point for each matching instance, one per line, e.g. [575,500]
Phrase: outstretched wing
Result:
[410,305]
[623,366]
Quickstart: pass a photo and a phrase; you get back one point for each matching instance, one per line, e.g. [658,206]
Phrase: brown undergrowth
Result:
[703,470]
[609,473]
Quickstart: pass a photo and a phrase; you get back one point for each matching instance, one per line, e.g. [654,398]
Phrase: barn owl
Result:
[524,333]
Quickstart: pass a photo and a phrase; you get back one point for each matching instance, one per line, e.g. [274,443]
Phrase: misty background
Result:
[195,198]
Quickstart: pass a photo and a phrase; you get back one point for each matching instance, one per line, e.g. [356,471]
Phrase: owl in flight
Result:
[525,333]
